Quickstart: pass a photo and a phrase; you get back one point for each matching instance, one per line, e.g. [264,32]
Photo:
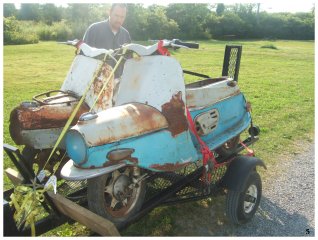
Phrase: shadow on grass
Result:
[207,218]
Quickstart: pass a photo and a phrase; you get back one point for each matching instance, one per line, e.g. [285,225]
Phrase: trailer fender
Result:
[238,171]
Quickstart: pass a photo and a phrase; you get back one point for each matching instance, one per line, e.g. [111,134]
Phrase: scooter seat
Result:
[121,122]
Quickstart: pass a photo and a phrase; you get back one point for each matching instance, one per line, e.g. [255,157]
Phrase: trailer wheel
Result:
[229,147]
[241,206]
[115,196]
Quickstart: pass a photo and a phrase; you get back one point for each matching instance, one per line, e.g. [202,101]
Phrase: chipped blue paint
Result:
[159,148]
[233,119]
[154,148]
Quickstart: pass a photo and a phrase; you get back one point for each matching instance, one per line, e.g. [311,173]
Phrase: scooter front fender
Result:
[72,173]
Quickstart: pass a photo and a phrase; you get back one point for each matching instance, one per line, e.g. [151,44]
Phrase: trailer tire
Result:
[241,206]
[100,197]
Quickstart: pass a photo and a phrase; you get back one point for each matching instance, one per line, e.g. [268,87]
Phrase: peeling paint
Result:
[169,167]
[174,111]
[122,122]
[204,82]
[105,99]
[41,117]
[205,93]
[132,160]
[46,116]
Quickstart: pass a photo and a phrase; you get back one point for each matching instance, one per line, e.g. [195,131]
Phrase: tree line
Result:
[34,22]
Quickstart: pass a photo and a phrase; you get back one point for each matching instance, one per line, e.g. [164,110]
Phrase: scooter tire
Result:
[98,200]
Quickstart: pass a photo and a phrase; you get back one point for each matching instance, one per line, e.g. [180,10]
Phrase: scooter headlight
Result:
[76,147]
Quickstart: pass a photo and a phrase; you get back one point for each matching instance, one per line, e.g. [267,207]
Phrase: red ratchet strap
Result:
[207,154]
[162,50]
[78,44]
[250,152]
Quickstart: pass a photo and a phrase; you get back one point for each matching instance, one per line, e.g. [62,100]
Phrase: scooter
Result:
[146,121]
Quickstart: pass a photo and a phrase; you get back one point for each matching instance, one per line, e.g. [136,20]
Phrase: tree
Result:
[159,26]
[230,24]
[9,10]
[29,11]
[190,19]
[80,16]
[136,21]
[220,9]
[50,13]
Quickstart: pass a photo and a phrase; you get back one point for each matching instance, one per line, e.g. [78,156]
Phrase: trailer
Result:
[69,204]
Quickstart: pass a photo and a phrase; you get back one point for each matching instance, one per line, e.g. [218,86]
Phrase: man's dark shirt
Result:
[100,35]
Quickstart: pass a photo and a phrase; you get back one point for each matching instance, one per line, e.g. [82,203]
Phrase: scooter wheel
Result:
[241,206]
[114,196]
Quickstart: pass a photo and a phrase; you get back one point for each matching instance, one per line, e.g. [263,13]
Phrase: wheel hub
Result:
[250,199]
[121,189]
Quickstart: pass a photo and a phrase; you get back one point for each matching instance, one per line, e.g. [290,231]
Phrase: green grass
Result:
[279,84]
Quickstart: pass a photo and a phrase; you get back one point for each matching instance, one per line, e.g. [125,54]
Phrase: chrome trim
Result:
[72,173]
[88,116]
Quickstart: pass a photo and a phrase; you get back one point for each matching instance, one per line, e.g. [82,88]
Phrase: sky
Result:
[268,6]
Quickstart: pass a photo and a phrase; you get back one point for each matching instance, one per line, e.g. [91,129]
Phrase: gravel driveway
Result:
[287,207]
[288,204]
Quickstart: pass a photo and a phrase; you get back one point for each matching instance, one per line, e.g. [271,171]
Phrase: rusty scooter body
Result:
[138,125]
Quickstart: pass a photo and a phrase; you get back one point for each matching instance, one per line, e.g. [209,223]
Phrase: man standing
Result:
[109,34]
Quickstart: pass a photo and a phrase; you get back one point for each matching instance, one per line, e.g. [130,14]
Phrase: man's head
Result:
[117,15]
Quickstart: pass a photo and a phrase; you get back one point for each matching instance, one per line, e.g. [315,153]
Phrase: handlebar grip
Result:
[187,44]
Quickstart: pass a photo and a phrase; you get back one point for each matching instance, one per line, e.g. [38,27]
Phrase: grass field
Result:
[278,82]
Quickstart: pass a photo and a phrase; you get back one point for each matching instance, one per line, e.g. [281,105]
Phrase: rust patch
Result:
[105,98]
[137,59]
[129,159]
[174,111]
[135,83]
[44,117]
[109,163]
[41,117]
[169,167]
[189,96]
[126,121]
[15,128]
[192,103]
[142,119]
[132,160]
[248,107]
[145,118]
[119,154]
[205,82]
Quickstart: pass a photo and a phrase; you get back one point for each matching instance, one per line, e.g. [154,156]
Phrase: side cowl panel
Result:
[157,151]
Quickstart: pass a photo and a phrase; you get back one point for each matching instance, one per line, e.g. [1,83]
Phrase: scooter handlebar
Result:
[186,44]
